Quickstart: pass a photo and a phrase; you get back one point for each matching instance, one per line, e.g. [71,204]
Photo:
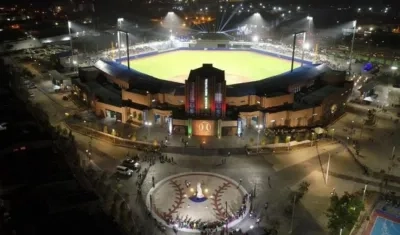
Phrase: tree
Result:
[303,188]
[276,139]
[298,137]
[251,140]
[307,135]
[344,211]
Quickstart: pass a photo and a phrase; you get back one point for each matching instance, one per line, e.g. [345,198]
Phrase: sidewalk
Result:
[377,143]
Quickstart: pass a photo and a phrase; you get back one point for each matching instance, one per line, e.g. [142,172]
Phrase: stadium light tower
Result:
[309,19]
[294,48]
[119,23]
[352,44]
[255,38]
[71,60]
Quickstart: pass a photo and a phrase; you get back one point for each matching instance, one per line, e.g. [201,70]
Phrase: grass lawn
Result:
[239,66]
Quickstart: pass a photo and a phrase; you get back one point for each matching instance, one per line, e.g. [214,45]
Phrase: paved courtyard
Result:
[198,197]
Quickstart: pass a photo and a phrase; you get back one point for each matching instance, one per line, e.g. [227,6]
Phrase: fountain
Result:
[199,196]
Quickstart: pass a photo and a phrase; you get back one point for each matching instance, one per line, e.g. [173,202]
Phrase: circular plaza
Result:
[198,201]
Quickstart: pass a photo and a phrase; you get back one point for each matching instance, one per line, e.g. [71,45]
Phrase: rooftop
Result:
[316,97]
[104,93]
[279,83]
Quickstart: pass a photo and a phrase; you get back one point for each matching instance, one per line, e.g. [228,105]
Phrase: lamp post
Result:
[148,124]
[352,44]
[394,69]
[259,128]
[364,191]
[327,169]
[294,48]
[119,23]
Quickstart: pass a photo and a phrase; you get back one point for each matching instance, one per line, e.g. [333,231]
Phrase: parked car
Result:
[131,164]
[125,171]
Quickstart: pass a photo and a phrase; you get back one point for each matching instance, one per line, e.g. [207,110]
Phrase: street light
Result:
[327,169]
[393,68]
[148,124]
[352,44]
[259,128]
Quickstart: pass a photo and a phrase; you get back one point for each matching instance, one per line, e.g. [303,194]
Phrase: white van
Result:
[122,170]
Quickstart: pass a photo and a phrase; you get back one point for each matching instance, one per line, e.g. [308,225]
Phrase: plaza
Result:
[174,201]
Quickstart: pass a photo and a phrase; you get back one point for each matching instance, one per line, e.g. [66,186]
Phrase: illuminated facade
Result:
[205,92]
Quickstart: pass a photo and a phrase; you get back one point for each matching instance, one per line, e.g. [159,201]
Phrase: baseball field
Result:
[239,66]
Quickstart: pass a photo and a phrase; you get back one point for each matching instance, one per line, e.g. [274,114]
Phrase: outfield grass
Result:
[239,66]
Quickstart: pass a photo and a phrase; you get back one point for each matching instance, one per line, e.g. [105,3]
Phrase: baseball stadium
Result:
[212,86]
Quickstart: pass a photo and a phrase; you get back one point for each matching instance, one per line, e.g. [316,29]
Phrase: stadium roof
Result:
[139,81]
[279,83]
[105,93]
[54,74]
[316,97]
[267,86]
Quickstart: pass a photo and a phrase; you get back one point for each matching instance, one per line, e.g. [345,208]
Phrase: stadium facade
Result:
[312,95]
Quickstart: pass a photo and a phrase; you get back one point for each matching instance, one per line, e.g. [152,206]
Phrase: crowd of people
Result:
[285,50]
[209,227]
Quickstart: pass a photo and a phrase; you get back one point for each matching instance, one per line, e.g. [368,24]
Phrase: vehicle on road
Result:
[125,171]
[130,163]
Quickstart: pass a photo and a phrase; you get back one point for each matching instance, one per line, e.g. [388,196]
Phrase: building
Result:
[310,96]
[205,92]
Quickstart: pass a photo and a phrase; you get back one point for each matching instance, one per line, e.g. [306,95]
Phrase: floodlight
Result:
[393,68]
[255,38]
[69,24]
[171,37]
[309,18]
[306,46]
[354,23]
[120,19]
[257,14]
[170,12]
[74,62]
